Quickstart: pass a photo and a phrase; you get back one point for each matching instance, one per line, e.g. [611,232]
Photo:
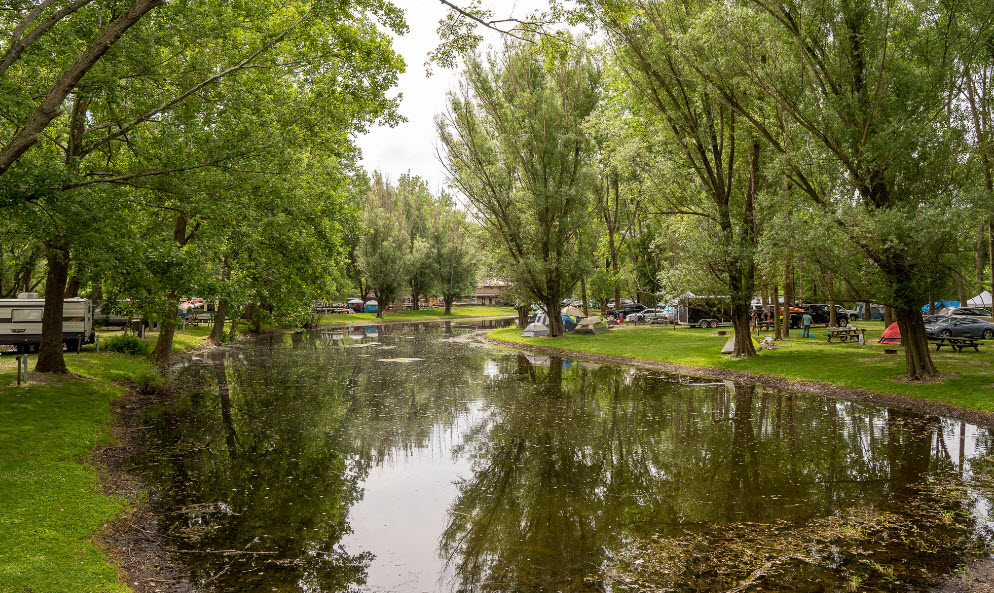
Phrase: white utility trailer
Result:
[20,322]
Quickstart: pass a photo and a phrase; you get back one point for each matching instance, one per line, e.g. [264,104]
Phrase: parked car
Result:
[960,327]
[929,319]
[652,315]
[820,314]
[628,310]
[967,312]
[876,311]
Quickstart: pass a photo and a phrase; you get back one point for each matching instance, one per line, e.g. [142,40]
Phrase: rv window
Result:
[25,315]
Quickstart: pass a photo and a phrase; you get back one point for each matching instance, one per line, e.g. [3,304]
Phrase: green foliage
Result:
[148,380]
[131,345]
[516,147]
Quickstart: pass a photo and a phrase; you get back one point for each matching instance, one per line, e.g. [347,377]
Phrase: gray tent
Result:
[535,330]
[590,326]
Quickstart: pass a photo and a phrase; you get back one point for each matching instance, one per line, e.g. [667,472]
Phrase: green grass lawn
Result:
[50,497]
[49,493]
[968,376]
[420,315]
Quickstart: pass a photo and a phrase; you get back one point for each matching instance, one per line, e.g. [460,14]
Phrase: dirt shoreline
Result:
[977,417]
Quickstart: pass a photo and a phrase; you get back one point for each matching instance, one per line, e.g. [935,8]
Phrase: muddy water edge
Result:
[415,458]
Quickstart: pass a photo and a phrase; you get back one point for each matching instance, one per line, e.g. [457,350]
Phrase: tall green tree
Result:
[515,146]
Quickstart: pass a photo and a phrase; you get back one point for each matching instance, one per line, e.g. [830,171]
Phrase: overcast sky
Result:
[411,145]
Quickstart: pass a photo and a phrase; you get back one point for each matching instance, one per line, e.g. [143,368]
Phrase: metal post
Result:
[184,324]
[18,371]
[25,368]
[96,340]
[79,345]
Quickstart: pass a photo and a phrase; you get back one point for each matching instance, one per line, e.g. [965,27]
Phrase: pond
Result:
[416,458]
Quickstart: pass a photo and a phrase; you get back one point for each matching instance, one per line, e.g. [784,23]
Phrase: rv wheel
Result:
[714,323]
[703,323]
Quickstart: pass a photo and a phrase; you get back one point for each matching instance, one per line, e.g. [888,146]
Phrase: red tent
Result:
[892,335]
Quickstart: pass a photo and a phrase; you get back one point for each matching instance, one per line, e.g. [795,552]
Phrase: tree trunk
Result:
[448,304]
[583,296]
[788,299]
[217,328]
[917,359]
[522,315]
[888,315]
[743,337]
[233,333]
[96,293]
[553,308]
[167,329]
[830,283]
[50,358]
[990,251]
[72,287]
[960,284]
[415,300]
[776,309]
[379,304]
[867,311]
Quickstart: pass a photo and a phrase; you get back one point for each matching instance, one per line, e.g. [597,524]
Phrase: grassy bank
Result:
[967,376]
[420,315]
[51,501]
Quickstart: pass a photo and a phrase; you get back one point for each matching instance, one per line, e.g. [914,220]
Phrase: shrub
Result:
[147,381]
[129,345]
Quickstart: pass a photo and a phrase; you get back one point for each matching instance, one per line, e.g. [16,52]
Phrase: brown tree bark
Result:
[522,311]
[51,104]
[167,330]
[217,326]
[448,304]
[583,296]
[50,358]
[918,361]
[233,332]
[776,310]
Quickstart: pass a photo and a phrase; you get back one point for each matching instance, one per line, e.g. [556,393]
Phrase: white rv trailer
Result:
[20,322]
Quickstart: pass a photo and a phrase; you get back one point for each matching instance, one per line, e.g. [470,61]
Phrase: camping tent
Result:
[730,345]
[569,323]
[590,326]
[940,305]
[981,300]
[892,335]
[535,330]
[572,312]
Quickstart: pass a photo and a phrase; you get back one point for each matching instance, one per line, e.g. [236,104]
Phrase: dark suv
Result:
[819,315]
[626,310]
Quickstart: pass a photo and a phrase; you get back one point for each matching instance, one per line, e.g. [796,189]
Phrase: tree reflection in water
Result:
[616,479]
[576,477]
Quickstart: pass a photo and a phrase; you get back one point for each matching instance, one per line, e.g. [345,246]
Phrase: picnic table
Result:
[764,325]
[846,334]
[956,343]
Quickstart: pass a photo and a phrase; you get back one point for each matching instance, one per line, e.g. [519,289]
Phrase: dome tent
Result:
[535,330]
[892,335]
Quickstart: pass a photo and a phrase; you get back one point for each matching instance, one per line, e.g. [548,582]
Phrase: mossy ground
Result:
[968,376]
[50,496]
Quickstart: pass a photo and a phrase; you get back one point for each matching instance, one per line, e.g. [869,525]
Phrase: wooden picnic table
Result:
[846,334]
[956,343]
[764,325]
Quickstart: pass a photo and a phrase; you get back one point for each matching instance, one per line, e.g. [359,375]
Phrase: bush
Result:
[129,345]
[147,381]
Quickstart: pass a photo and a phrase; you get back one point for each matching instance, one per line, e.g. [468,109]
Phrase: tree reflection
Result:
[579,463]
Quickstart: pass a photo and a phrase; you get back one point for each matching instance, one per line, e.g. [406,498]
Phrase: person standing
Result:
[806,321]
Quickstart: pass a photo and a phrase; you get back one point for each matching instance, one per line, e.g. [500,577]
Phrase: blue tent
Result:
[941,305]
[569,323]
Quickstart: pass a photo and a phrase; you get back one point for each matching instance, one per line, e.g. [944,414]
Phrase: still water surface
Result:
[414,458]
